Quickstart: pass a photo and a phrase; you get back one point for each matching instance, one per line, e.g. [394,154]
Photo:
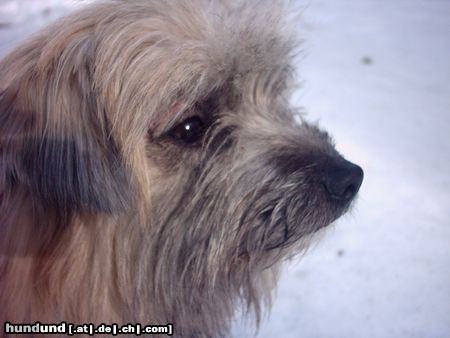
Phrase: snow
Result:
[377,76]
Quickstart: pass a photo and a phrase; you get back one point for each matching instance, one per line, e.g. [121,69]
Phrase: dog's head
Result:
[176,116]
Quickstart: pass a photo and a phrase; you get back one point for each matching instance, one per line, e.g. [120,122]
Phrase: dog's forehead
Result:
[168,53]
[226,47]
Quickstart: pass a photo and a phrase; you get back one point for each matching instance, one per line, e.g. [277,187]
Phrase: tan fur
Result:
[104,217]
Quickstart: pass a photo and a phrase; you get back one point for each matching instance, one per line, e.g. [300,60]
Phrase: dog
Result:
[152,168]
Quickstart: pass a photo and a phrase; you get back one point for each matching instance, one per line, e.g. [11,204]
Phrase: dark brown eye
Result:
[190,130]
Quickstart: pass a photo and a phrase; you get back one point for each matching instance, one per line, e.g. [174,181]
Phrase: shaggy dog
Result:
[151,168]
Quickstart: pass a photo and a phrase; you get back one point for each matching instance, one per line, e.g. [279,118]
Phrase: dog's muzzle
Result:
[321,189]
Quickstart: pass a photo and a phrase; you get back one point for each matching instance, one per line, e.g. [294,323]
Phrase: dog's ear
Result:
[55,138]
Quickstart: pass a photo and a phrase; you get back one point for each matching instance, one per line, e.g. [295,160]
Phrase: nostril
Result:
[343,180]
[350,191]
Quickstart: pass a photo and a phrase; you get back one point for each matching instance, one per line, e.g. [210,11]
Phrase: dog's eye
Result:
[190,130]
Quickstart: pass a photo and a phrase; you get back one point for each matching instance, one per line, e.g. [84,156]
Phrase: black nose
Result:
[342,180]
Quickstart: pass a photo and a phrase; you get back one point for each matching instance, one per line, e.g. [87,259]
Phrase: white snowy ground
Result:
[377,75]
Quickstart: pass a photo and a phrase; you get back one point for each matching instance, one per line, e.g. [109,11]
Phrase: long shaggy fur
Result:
[104,216]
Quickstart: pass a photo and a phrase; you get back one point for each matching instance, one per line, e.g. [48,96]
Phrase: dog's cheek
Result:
[70,180]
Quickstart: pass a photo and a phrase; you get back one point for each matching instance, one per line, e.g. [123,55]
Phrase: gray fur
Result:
[105,217]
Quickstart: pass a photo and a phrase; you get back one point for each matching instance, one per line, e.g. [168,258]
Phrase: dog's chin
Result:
[292,231]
